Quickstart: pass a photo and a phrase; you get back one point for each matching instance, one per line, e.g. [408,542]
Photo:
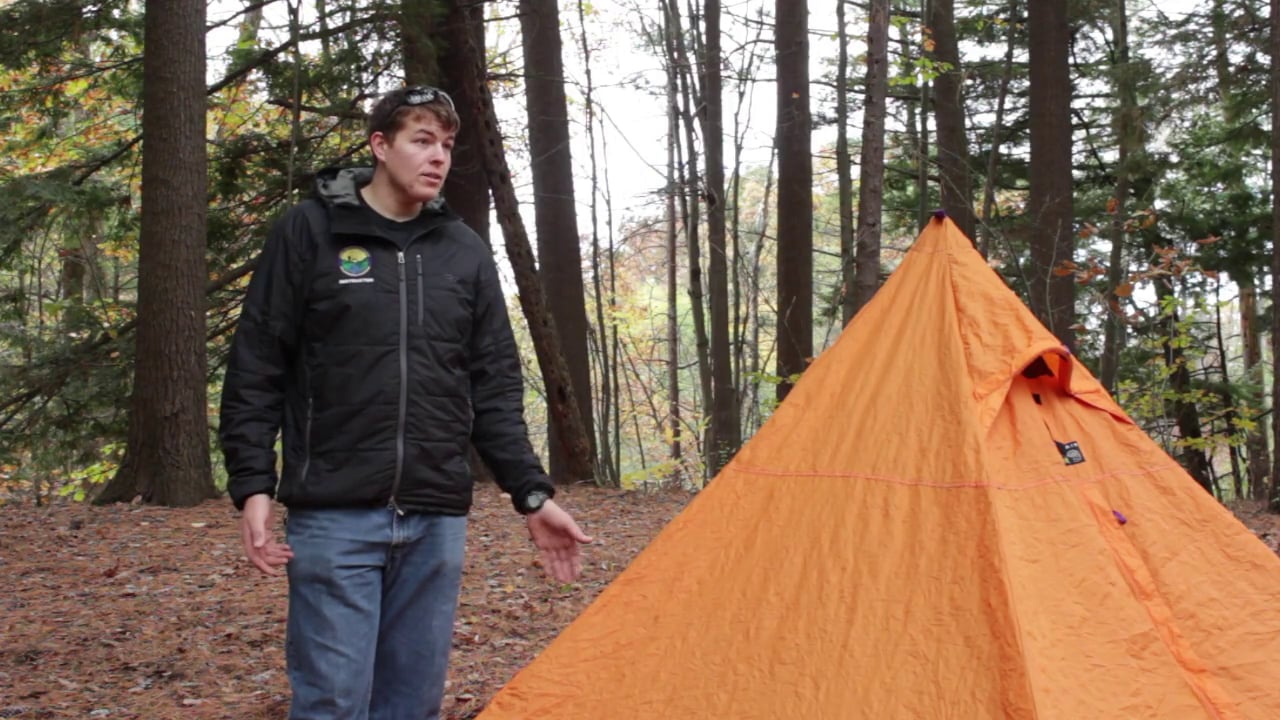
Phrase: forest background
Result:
[689,201]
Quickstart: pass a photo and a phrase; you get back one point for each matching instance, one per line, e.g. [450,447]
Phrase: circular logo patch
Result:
[354,261]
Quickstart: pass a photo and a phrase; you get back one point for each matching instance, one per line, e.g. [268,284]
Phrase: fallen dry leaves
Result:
[1254,515]
[153,613]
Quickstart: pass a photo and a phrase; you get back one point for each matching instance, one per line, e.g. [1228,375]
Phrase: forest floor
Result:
[151,613]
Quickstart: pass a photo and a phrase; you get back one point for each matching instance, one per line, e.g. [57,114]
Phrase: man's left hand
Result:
[557,537]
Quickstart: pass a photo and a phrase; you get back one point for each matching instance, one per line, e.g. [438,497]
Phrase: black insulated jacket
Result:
[378,358]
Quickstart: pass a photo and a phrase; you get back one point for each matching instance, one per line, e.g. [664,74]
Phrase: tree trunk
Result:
[955,189]
[466,189]
[1230,417]
[609,397]
[844,170]
[725,432]
[1050,205]
[751,401]
[871,170]
[673,259]
[993,153]
[689,98]
[1185,413]
[1274,492]
[1130,143]
[795,194]
[924,205]
[74,256]
[555,211]
[78,246]
[433,55]
[743,299]
[1256,444]
[912,133]
[562,404]
[166,459]
[420,21]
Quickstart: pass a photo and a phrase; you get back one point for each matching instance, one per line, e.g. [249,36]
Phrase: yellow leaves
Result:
[1088,231]
[76,87]
[1124,289]
[10,81]
[1243,423]
[125,249]
[1113,205]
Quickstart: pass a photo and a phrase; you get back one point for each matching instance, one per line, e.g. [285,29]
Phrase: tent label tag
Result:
[1071,454]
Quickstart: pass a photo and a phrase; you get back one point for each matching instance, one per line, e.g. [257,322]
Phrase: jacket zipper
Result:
[404,383]
[420,308]
[306,442]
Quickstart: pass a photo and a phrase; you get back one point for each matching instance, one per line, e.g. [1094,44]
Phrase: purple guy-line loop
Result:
[1120,517]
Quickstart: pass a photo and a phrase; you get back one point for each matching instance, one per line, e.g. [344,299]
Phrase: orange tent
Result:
[947,518]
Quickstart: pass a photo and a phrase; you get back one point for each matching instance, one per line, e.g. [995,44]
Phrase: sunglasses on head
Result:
[423,95]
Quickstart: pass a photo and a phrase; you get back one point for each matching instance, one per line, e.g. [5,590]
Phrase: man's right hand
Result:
[259,543]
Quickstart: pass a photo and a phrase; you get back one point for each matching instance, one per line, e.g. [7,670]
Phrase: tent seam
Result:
[962,485]
[1167,632]
[1011,602]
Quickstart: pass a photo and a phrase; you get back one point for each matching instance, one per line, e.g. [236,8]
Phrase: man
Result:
[375,335]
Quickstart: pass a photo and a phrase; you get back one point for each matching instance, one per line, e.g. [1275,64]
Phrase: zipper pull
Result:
[400,259]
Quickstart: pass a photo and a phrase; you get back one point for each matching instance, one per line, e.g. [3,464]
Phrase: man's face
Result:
[417,159]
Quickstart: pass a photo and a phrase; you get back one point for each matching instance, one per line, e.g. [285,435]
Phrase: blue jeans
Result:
[372,596]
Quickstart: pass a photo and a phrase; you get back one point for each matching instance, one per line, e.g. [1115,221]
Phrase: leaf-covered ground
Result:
[151,613]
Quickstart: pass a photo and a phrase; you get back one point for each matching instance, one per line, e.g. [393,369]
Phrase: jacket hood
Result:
[338,186]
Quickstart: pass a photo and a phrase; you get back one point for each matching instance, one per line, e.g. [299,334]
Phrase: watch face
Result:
[534,500]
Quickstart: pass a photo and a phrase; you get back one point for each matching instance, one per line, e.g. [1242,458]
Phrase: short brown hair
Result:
[393,109]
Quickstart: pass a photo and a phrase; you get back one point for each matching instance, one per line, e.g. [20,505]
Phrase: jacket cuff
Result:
[540,484]
[241,490]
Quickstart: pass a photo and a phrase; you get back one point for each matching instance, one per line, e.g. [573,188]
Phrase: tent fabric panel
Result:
[1145,532]
[827,423]
[1092,648]
[1209,579]
[868,607]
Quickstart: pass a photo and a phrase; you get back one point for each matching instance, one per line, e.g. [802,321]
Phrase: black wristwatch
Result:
[534,501]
